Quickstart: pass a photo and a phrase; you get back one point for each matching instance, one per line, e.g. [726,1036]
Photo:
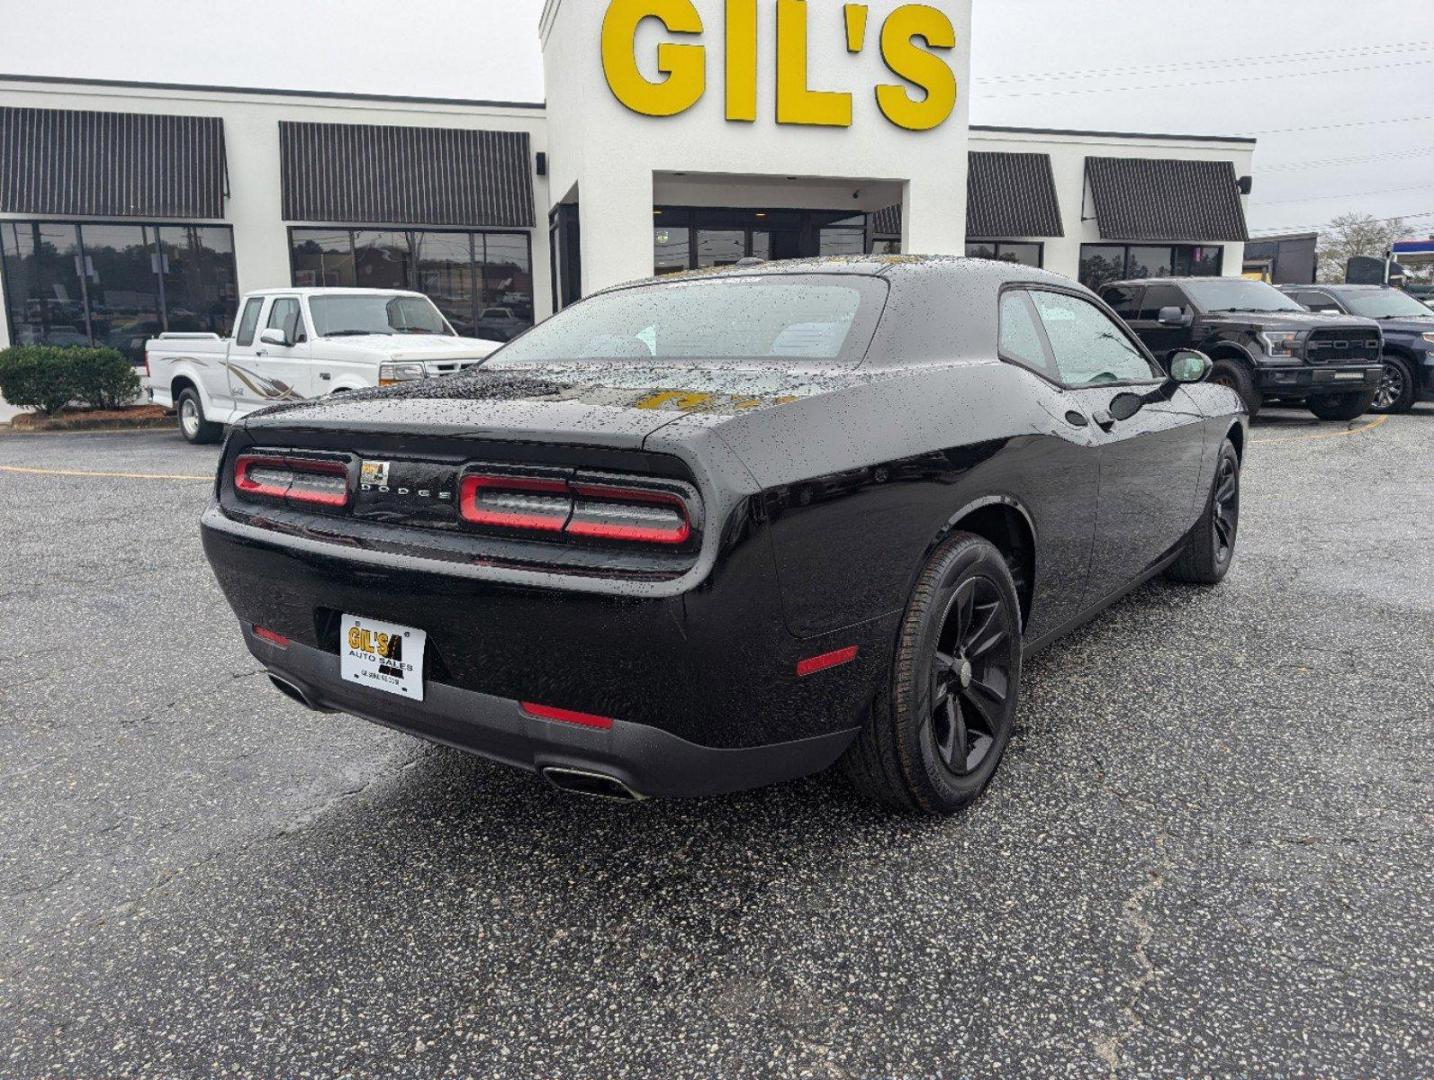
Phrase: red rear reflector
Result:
[813,664]
[567,716]
[302,480]
[515,502]
[271,637]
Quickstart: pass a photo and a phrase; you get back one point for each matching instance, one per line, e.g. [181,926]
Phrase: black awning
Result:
[1008,197]
[1011,196]
[102,164]
[376,175]
[1166,200]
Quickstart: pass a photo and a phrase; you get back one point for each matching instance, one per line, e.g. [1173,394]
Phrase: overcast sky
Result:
[1340,92]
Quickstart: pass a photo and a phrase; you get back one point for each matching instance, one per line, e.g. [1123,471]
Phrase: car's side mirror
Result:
[1189,366]
[275,336]
[1174,316]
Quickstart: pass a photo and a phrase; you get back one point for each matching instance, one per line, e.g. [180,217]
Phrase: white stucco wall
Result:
[1068,154]
[251,138]
[610,154]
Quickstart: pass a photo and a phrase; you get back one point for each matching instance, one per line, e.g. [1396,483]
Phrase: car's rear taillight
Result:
[638,512]
[515,502]
[609,512]
[310,481]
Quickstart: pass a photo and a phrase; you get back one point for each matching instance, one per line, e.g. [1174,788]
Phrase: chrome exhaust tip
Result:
[594,785]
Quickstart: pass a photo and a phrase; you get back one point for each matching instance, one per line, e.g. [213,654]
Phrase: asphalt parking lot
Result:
[1207,854]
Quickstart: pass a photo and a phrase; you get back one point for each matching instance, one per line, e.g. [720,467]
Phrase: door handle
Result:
[325,376]
[261,352]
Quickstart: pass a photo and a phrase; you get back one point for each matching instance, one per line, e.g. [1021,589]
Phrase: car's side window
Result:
[249,322]
[1089,349]
[1159,297]
[1320,302]
[1020,339]
[285,315]
[1125,299]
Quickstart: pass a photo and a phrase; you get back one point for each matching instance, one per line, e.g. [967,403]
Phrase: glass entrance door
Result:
[692,238]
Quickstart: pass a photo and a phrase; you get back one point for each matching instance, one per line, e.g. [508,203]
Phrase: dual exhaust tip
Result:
[574,781]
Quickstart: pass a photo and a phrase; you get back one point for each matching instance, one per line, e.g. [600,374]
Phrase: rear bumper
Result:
[645,759]
[1313,381]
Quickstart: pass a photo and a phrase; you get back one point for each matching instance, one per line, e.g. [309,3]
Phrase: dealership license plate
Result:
[383,656]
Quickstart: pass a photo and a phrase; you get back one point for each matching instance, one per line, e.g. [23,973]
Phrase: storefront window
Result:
[720,247]
[1102,263]
[482,282]
[671,251]
[1027,254]
[200,289]
[845,237]
[116,285]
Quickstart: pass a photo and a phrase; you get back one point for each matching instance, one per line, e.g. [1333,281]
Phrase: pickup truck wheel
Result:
[192,424]
[934,737]
[1239,378]
[1397,389]
[1350,405]
[1211,547]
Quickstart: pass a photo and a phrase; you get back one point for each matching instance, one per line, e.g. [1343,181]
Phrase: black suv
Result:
[1408,329]
[1264,345]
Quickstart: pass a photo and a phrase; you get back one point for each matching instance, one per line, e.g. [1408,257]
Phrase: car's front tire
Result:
[1239,378]
[192,424]
[1210,549]
[1350,405]
[1397,388]
[937,731]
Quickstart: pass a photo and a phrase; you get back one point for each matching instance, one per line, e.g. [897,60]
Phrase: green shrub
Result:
[104,379]
[49,378]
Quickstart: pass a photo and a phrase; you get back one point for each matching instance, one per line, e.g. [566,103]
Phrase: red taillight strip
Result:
[610,530]
[272,638]
[813,664]
[567,716]
[246,484]
[470,509]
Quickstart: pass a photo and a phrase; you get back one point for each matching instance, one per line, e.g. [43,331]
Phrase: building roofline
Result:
[1115,134]
[391,99]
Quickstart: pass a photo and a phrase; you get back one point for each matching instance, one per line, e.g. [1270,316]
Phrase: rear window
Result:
[742,319]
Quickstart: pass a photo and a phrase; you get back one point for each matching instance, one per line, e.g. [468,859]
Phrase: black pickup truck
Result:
[1408,329]
[1264,345]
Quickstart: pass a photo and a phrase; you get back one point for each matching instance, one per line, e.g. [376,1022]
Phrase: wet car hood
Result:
[1287,320]
[1419,324]
[612,403]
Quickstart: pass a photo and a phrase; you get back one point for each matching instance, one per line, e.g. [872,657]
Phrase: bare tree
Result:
[1355,234]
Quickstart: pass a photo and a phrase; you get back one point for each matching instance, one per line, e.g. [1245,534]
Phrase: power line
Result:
[1208,83]
[1324,198]
[1311,228]
[1189,65]
[1287,166]
[1341,127]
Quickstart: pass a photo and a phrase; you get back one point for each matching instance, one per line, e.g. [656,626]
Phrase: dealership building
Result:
[676,134]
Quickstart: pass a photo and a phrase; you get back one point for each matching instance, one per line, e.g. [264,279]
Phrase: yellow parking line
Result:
[1325,435]
[103,475]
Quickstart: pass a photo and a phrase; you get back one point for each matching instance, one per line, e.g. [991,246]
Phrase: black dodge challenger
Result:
[704,533]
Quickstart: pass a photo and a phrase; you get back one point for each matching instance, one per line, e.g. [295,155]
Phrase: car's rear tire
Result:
[1210,549]
[1239,378]
[1350,405]
[1397,388]
[939,727]
[192,424]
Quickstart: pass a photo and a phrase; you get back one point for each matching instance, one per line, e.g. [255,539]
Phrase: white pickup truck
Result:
[292,344]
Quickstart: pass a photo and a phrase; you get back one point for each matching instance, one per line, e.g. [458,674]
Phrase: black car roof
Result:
[1166,281]
[894,267]
[1339,288]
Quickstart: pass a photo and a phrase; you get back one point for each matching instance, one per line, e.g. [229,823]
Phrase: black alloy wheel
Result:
[1210,548]
[933,740]
[1396,387]
[1350,405]
[1239,378]
[970,678]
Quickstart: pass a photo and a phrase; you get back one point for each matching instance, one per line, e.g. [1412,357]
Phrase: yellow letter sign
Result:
[795,103]
[917,66]
[684,65]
